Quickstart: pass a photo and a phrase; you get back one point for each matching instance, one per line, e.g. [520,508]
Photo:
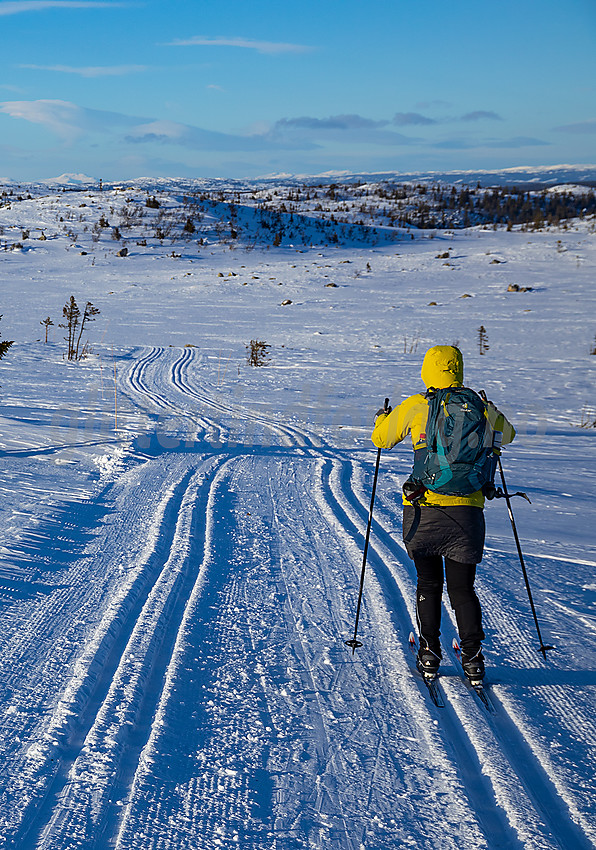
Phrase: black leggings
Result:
[460,587]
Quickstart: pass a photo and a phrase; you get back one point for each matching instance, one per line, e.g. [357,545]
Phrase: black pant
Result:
[460,587]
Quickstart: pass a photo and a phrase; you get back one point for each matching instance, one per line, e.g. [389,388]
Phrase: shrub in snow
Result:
[257,353]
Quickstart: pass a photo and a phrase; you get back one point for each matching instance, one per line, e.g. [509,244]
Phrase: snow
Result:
[181,537]
[72,179]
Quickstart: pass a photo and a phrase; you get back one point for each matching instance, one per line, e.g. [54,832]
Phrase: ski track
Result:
[89,802]
[183,381]
[181,397]
[214,704]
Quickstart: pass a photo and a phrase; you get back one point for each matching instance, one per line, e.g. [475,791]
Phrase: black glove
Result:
[382,411]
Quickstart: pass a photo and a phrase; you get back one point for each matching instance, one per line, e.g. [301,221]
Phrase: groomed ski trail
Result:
[214,704]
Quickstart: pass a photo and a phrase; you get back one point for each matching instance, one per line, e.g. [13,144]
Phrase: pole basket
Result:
[354,644]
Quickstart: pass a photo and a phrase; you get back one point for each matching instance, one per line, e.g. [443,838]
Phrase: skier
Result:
[438,526]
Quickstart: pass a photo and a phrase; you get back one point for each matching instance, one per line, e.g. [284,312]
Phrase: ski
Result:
[479,688]
[431,682]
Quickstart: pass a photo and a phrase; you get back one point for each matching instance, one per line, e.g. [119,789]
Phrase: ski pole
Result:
[354,643]
[543,647]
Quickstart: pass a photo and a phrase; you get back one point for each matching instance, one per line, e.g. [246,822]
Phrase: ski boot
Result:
[428,663]
[473,666]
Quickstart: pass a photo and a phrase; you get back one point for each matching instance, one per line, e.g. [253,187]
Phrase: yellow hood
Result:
[443,366]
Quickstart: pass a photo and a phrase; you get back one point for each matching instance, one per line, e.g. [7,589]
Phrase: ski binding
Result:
[477,685]
[430,680]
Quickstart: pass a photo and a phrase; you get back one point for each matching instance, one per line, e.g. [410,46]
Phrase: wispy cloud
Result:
[403,119]
[580,128]
[91,70]
[334,122]
[246,43]
[481,115]
[342,129]
[346,133]
[195,138]
[71,123]
[65,119]
[17,7]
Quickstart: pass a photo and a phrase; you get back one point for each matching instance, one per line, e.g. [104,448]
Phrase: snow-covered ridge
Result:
[544,174]
[290,214]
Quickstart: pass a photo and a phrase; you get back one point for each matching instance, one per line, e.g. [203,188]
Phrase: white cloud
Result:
[71,122]
[247,43]
[92,70]
[61,117]
[196,138]
[16,7]
[65,119]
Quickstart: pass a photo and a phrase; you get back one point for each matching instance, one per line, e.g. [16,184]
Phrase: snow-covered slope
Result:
[182,535]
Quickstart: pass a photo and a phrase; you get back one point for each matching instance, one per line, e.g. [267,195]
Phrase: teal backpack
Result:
[461,451]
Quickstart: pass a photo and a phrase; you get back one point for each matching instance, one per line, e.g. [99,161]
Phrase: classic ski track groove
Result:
[137,382]
[551,799]
[136,378]
[57,640]
[127,688]
[180,379]
[331,754]
[123,835]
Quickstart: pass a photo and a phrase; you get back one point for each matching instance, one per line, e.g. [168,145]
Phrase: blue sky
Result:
[118,89]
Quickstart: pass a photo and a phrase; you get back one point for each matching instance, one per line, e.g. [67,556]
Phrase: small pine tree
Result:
[71,314]
[483,345]
[89,315]
[48,324]
[189,226]
[257,353]
[75,324]
[5,345]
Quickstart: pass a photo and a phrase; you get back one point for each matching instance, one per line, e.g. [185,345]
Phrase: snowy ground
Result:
[181,538]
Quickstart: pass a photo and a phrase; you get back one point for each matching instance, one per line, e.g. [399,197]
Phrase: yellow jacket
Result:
[442,367]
